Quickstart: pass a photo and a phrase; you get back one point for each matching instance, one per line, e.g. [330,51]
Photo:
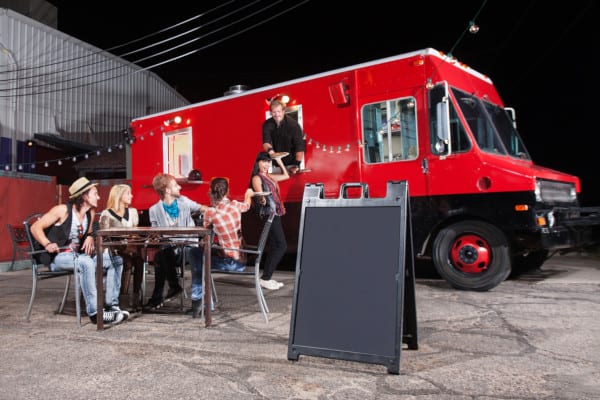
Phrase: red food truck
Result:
[479,205]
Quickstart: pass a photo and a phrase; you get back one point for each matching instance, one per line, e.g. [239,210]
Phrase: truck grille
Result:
[552,192]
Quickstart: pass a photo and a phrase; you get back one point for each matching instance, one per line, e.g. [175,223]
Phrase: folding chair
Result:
[252,270]
[40,272]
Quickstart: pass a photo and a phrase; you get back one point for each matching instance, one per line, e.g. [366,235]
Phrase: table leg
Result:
[207,283]
[99,286]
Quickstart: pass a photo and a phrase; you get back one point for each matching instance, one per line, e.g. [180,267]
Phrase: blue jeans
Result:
[226,264]
[195,256]
[113,268]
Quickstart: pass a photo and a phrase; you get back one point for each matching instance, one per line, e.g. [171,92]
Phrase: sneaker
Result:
[195,310]
[270,284]
[173,292]
[280,284]
[112,317]
[154,303]
[117,308]
[109,317]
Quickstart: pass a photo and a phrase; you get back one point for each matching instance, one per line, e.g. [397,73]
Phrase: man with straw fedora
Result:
[66,232]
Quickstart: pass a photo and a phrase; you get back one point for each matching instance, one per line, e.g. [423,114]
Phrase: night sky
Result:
[539,56]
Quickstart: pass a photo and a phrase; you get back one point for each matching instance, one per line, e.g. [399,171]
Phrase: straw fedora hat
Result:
[79,187]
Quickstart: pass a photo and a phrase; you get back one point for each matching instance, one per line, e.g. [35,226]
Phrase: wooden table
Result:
[151,236]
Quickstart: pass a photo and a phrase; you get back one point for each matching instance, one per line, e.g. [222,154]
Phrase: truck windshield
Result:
[492,126]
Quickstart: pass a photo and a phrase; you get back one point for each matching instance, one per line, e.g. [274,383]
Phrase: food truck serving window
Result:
[177,153]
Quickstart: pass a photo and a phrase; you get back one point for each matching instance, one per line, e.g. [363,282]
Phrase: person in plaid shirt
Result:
[225,217]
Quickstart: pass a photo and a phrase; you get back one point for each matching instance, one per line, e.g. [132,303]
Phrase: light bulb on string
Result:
[7,167]
[46,164]
[20,167]
[120,146]
[109,149]
[59,162]
[33,166]
[74,158]
[86,156]
[97,152]
[473,27]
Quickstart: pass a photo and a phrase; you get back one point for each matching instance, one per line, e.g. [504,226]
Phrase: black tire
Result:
[472,255]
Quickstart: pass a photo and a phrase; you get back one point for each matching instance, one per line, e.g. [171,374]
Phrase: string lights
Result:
[326,148]
[63,161]
[130,140]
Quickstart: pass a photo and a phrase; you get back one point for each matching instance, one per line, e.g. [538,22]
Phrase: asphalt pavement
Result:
[536,336]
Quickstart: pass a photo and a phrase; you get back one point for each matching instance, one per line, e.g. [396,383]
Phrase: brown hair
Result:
[219,187]
[275,103]
[160,183]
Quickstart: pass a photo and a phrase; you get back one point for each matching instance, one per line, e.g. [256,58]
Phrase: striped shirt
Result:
[226,221]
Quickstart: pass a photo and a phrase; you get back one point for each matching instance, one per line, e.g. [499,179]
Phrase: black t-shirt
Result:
[287,137]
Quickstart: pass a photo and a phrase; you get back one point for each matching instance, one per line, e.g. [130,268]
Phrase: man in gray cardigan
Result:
[173,209]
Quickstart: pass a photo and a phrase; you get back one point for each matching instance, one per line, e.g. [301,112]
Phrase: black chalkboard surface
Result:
[352,287]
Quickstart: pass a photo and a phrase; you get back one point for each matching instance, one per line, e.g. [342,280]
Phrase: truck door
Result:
[390,144]
[452,166]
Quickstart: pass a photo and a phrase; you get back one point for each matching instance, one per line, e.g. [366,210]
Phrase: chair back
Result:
[20,242]
[34,250]
[255,271]
[262,241]
[18,235]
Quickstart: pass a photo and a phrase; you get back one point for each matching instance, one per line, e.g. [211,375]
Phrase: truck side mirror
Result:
[442,126]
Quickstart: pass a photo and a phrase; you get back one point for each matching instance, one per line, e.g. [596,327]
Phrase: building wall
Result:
[40,10]
[53,83]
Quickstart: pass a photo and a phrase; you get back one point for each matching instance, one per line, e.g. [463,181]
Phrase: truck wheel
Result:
[472,255]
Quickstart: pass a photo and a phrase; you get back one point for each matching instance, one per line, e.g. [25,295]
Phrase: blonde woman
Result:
[119,213]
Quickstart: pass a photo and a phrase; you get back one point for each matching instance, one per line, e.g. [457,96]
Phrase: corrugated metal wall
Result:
[53,83]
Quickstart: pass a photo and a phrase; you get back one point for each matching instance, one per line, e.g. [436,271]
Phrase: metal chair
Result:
[40,272]
[251,270]
[20,243]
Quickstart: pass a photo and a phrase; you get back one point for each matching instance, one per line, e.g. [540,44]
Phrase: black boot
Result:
[196,308]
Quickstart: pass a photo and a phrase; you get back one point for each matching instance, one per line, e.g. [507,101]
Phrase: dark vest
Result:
[59,234]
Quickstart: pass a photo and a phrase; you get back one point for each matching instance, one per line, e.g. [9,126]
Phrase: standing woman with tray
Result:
[263,181]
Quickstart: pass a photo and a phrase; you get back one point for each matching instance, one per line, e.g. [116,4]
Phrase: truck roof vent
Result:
[235,89]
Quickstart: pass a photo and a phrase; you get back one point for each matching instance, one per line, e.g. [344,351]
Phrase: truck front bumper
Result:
[571,228]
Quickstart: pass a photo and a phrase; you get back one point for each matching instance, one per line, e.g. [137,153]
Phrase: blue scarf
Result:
[172,210]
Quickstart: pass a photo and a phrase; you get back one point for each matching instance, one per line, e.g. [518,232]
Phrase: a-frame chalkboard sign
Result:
[354,291]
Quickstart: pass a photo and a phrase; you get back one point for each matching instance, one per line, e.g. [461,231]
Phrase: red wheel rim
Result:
[471,254]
